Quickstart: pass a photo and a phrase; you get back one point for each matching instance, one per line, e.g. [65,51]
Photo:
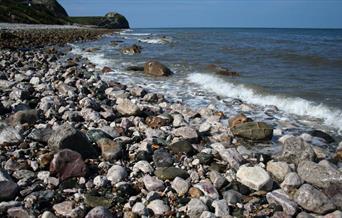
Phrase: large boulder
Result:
[8,188]
[156,68]
[253,131]
[113,20]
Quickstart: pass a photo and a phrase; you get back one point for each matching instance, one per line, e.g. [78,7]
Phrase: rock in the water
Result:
[170,173]
[162,158]
[8,188]
[186,133]
[68,137]
[195,208]
[278,169]
[67,163]
[158,207]
[99,212]
[313,200]
[319,175]
[323,135]
[295,150]
[134,49]
[253,131]
[111,150]
[281,198]
[237,120]
[116,174]
[180,185]
[254,177]
[153,183]
[9,135]
[181,147]
[126,107]
[155,68]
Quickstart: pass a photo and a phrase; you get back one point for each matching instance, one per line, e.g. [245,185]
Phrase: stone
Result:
[237,120]
[162,158]
[279,197]
[291,182]
[23,174]
[99,212]
[67,137]
[217,179]
[253,131]
[126,107]
[48,214]
[295,150]
[195,208]
[156,122]
[9,135]
[156,68]
[181,147]
[143,166]
[208,189]
[8,188]
[319,175]
[181,186]
[153,183]
[106,70]
[158,207]
[204,128]
[170,173]
[24,116]
[67,163]
[139,208]
[205,158]
[232,197]
[195,192]
[100,181]
[278,169]
[17,212]
[254,177]
[207,214]
[41,135]
[313,200]
[186,133]
[64,209]
[131,50]
[221,208]
[95,135]
[4,206]
[96,201]
[323,135]
[116,174]
[110,149]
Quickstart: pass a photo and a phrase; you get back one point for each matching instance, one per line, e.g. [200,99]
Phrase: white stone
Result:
[158,207]
[116,174]
[204,127]
[195,208]
[180,185]
[208,189]
[43,175]
[100,181]
[143,166]
[64,208]
[207,214]
[221,208]
[139,208]
[48,214]
[217,179]
[153,183]
[254,177]
[278,169]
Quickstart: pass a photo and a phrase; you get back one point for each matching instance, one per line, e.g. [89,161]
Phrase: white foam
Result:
[156,40]
[298,106]
[135,34]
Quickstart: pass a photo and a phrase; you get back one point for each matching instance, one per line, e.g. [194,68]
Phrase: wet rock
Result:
[8,188]
[116,174]
[170,173]
[99,212]
[153,183]
[106,70]
[162,158]
[296,150]
[17,212]
[126,107]
[41,135]
[131,50]
[291,182]
[158,207]
[221,208]
[207,189]
[135,68]
[254,177]
[180,185]
[323,135]
[278,169]
[9,135]
[237,120]
[186,133]
[195,208]
[111,150]
[25,116]
[221,70]
[67,163]
[253,131]
[280,198]
[155,68]
[313,200]
[181,147]
[319,175]
[232,197]
[67,137]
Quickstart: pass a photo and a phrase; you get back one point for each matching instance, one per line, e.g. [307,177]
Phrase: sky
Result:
[215,13]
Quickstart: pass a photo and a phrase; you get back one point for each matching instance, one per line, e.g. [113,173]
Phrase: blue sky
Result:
[216,13]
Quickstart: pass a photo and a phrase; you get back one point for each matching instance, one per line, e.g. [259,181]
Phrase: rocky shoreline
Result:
[74,145]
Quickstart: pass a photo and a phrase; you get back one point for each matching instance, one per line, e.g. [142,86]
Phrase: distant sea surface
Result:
[297,70]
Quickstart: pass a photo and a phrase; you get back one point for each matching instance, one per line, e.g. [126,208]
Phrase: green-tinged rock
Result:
[253,131]
[170,173]
[96,134]
[205,158]
[94,201]
[182,147]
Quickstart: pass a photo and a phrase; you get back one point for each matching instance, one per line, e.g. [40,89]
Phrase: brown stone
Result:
[221,70]
[155,68]
[238,119]
[67,163]
[134,49]
[106,70]
[195,192]
[156,122]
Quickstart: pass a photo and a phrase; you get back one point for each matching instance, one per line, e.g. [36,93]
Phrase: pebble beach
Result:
[74,144]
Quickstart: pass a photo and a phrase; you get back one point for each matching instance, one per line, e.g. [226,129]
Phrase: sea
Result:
[297,70]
